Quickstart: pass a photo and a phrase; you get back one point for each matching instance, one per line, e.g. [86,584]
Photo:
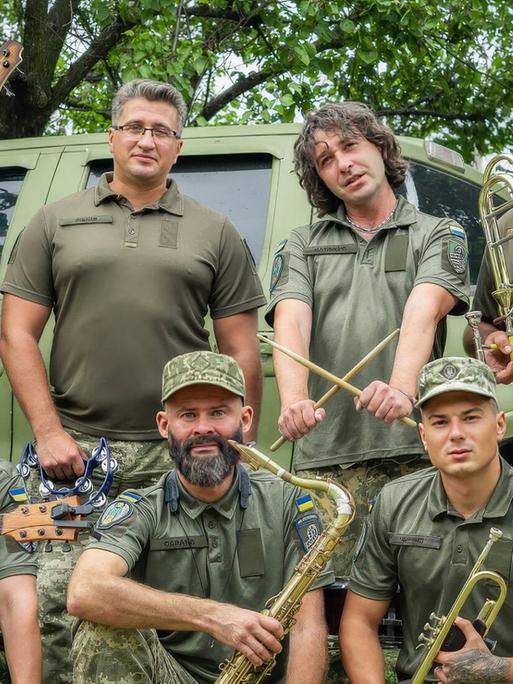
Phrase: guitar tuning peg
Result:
[66,547]
[48,547]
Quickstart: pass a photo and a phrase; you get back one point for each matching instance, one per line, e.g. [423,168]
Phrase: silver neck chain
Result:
[372,229]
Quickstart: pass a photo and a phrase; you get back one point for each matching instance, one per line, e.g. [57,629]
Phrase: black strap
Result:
[172,493]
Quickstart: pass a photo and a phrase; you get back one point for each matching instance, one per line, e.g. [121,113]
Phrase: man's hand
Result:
[60,456]
[254,635]
[499,360]
[473,662]
[299,418]
[384,402]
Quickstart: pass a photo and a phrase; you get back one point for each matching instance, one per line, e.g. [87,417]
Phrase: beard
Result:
[204,471]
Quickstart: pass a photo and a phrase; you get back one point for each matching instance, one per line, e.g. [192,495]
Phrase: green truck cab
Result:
[245,172]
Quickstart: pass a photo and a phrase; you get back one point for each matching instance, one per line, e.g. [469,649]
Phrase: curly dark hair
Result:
[350,118]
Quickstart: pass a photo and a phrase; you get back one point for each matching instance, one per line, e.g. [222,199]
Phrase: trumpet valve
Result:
[435,620]
[424,640]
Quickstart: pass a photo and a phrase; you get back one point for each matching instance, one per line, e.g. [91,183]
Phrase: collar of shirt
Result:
[225,506]
[497,506]
[171,201]
[404,215]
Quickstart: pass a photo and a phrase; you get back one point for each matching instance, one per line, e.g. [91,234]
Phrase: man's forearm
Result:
[292,378]
[308,656]
[362,656]
[20,629]
[27,375]
[425,307]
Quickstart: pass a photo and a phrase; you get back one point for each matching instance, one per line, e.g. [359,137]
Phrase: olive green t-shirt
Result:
[414,538]
[130,290]
[357,291]
[219,551]
[483,298]
[14,559]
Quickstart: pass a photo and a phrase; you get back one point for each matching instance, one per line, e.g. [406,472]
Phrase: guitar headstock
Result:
[10,57]
[59,520]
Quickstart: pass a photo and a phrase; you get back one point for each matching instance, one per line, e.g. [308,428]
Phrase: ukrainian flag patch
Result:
[18,494]
[130,496]
[304,503]
[459,232]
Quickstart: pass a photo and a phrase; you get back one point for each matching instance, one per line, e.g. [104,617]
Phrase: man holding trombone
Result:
[426,531]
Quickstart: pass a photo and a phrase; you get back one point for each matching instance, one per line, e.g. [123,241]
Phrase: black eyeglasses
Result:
[135,131]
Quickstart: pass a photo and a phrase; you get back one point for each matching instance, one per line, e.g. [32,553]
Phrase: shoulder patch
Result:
[459,232]
[18,494]
[280,246]
[129,495]
[277,270]
[457,255]
[115,513]
[308,528]
[304,503]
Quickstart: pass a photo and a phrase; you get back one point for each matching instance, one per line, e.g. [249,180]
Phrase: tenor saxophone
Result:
[238,669]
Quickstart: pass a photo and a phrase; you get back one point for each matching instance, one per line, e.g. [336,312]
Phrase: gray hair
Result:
[152,91]
[350,118]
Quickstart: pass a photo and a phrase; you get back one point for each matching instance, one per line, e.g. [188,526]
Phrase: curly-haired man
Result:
[371,263]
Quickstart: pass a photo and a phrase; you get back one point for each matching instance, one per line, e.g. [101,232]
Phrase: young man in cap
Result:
[207,547]
[427,529]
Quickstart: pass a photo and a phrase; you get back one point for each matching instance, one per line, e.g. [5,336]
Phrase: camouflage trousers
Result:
[364,481]
[105,655]
[140,464]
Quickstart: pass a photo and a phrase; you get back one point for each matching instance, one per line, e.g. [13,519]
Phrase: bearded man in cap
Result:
[204,548]
[427,529]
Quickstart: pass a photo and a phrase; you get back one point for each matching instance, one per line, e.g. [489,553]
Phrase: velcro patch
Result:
[83,220]
[115,513]
[18,494]
[308,528]
[425,540]
[128,495]
[459,232]
[304,503]
[280,270]
[457,255]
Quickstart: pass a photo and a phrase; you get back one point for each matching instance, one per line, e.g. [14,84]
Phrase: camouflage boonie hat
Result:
[202,367]
[454,374]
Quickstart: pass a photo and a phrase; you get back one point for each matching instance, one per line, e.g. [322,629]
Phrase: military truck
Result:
[243,171]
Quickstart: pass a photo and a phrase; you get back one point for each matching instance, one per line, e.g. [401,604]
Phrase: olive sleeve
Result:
[237,287]
[290,275]
[443,261]
[14,559]
[29,270]
[483,298]
[374,572]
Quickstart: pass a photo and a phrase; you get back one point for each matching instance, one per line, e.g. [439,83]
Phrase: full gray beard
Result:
[205,471]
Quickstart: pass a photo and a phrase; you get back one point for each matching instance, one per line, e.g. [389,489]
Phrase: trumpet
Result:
[436,631]
[496,235]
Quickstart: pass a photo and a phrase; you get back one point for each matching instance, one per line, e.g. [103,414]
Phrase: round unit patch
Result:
[449,371]
[114,514]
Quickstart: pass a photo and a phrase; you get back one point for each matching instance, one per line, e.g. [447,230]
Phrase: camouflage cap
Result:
[202,367]
[454,374]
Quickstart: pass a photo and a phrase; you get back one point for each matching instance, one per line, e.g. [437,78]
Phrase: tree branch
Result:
[98,50]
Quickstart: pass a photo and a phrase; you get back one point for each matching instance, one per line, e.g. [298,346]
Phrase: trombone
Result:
[497,234]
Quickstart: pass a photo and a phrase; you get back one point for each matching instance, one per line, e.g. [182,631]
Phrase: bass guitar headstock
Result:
[58,520]
[10,58]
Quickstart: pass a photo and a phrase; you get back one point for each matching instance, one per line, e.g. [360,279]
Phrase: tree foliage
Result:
[444,71]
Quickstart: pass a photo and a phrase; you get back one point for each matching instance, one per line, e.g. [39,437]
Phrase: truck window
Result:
[238,185]
[11,181]
[442,194]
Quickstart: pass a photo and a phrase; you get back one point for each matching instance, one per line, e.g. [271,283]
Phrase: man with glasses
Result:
[130,269]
